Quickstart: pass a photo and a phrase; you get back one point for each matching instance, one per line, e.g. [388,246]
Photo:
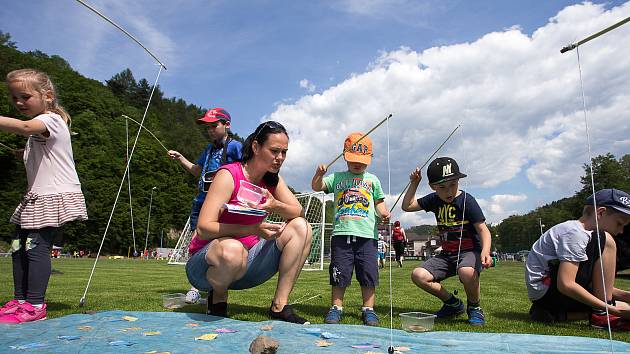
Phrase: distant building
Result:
[422,246]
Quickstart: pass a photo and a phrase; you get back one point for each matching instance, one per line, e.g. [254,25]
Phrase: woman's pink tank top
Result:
[236,170]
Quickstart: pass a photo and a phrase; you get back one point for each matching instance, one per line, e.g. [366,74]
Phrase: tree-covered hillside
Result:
[100,153]
[519,232]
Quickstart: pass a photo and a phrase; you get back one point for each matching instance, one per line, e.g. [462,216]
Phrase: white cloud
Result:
[517,97]
[500,206]
[309,86]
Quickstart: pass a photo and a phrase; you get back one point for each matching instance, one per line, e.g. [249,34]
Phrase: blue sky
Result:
[326,68]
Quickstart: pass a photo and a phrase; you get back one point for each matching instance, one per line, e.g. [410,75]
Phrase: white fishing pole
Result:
[565,49]
[8,147]
[146,110]
[122,30]
[424,164]
[145,128]
[361,138]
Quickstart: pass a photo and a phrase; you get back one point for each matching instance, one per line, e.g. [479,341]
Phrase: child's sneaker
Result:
[192,296]
[25,313]
[450,310]
[369,318]
[475,316]
[287,315]
[616,323]
[334,315]
[9,308]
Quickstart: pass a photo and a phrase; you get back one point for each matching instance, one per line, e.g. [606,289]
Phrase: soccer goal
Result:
[314,211]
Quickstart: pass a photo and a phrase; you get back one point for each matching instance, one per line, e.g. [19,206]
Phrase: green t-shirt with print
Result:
[355,214]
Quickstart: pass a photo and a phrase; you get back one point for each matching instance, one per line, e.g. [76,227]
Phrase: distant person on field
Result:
[359,199]
[563,271]
[221,151]
[54,194]
[465,239]
[382,250]
[399,241]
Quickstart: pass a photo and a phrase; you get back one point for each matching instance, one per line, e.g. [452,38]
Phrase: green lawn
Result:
[136,285]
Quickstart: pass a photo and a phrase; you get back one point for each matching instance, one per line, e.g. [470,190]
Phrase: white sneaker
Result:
[192,296]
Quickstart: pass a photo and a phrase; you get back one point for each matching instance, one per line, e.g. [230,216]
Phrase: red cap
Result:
[215,115]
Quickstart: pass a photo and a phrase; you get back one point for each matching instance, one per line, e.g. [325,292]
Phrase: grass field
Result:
[136,285]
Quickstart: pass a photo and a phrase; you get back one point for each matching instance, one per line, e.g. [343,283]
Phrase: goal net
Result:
[314,212]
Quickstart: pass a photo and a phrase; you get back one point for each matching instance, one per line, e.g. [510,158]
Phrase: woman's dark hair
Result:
[261,134]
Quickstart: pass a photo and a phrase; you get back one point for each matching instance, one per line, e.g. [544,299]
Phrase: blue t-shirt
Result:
[450,223]
[210,161]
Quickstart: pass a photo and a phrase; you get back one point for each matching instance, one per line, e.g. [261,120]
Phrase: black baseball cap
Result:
[611,197]
[443,169]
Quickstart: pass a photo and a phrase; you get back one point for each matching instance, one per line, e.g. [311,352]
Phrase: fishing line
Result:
[390,349]
[133,229]
[461,230]
[590,165]
[82,301]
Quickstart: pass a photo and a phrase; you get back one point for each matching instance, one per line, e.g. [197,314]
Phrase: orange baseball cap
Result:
[357,151]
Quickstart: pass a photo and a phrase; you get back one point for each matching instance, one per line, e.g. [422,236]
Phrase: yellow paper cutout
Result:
[207,336]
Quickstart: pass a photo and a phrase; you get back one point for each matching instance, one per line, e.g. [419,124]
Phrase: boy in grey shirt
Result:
[563,272]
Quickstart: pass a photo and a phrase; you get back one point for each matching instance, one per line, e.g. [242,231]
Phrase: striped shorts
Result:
[51,210]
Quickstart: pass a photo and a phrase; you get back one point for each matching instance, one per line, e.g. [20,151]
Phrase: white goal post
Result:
[314,211]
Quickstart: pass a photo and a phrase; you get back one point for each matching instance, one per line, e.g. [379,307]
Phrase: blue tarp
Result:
[175,332]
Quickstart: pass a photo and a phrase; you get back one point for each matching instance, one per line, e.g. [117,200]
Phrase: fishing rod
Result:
[122,30]
[8,147]
[424,164]
[366,134]
[145,128]
[593,36]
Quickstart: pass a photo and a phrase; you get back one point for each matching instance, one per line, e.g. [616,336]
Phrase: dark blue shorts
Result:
[348,253]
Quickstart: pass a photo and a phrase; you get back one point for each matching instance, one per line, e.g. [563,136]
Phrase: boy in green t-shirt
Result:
[358,198]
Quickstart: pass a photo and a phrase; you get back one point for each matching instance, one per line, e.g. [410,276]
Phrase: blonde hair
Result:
[40,82]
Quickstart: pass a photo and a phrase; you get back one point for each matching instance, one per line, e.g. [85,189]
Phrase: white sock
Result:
[21,301]
[339,308]
[39,306]
[363,308]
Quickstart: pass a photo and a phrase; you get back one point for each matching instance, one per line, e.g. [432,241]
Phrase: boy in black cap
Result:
[465,239]
[563,271]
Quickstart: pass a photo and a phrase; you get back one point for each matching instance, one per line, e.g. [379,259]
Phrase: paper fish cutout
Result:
[207,336]
[323,343]
[132,329]
[84,328]
[225,330]
[130,318]
[190,325]
[68,337]
[266,328]
[156,333]
[120,343]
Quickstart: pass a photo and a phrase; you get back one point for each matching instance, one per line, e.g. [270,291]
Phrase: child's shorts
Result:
[262,263]
[348,252]
[380,255]
[443,265]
